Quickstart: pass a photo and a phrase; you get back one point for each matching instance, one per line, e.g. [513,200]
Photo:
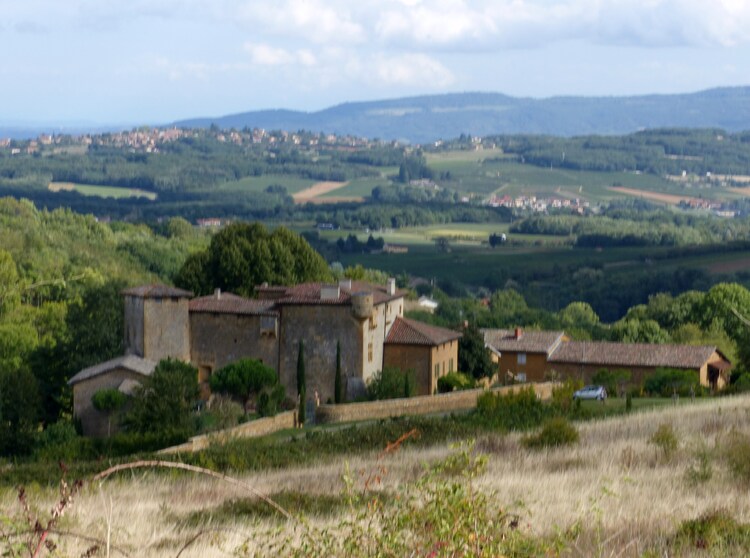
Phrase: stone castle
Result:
[365,320]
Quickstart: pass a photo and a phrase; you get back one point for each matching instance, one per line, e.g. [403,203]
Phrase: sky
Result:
[156,61]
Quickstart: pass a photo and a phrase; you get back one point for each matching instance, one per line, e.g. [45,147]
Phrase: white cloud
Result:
[486,24]
[264,54]
[311,20]
[411,70]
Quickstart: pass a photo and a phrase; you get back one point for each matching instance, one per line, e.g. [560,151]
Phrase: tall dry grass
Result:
[614,494]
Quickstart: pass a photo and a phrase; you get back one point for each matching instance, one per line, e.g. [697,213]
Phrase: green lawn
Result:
[359,187]
[260,183]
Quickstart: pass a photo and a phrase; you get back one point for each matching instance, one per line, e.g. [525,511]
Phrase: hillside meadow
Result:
[666,482]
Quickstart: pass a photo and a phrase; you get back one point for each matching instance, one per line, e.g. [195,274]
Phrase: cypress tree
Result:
[337,394]
[301,382]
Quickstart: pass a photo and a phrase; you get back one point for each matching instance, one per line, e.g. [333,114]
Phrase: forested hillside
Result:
[429,118]
[61,274]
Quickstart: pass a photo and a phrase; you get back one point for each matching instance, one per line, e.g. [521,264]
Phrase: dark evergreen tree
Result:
[473,357]
[301,381]
[338,395]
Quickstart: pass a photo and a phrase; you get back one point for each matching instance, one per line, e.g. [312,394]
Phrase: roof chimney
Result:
[217,294]
[345,284]
[391,286]
[330,292]
[519,333]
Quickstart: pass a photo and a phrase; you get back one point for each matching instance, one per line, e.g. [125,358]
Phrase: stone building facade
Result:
[213,331]
[535,356]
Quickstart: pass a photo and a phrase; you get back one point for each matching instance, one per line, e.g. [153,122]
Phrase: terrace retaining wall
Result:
[422,405]
[252,429]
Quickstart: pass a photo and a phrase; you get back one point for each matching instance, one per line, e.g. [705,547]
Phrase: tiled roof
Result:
[529,342]
[309,293]
[632,354]
[157,291]
[411,332]
[129,362]
[228,303]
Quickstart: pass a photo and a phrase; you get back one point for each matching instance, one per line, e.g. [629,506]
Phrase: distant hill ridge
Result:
[432,117]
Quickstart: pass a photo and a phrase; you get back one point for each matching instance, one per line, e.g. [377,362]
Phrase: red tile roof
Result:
[505,340]
[411,332]
[157,291]
[309,293]
[229,303]
[633,354]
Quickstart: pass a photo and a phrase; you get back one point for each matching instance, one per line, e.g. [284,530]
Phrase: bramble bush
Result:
[391,383]
[454,381]
[517,410]
[555,433]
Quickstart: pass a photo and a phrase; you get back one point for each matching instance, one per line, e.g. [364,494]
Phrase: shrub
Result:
[225,411]
[736,454]
[246,379]
[562,396]
[665,440]
[165,401]
[270,401]
[391,383]
[742,384]
[665,382]
[715,530]
[454,381]
[612,380]
[512,411]
[700,471]
[109,401]
[555,433]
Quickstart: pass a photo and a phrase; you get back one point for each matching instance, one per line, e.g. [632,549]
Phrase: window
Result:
[521,358]
[437,370]
[450,367]
[521,377]
[269,325]
[373,321]
[369,352]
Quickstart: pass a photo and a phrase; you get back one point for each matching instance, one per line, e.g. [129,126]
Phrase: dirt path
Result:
[316,190]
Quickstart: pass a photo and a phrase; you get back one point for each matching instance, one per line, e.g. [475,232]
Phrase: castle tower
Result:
[157,324]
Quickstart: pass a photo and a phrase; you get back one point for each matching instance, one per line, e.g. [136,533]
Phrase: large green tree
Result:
[473,357]
[164,402]
[19,411]
[245,379]
[244,255]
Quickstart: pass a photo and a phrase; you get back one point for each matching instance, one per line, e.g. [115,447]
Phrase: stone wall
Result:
[93,422]
[134,325]
[252,429]
[319,327]
[218,339]
[166,329]
[424,405]
[414,357]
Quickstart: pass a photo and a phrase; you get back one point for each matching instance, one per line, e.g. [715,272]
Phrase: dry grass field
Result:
[316,190]
[615,493]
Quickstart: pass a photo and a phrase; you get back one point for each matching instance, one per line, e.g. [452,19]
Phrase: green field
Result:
[260,183]
[470,259]
[359,188]
[488,172]
[102,191]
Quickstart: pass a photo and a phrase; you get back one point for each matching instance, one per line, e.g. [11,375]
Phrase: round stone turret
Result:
[362,305]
